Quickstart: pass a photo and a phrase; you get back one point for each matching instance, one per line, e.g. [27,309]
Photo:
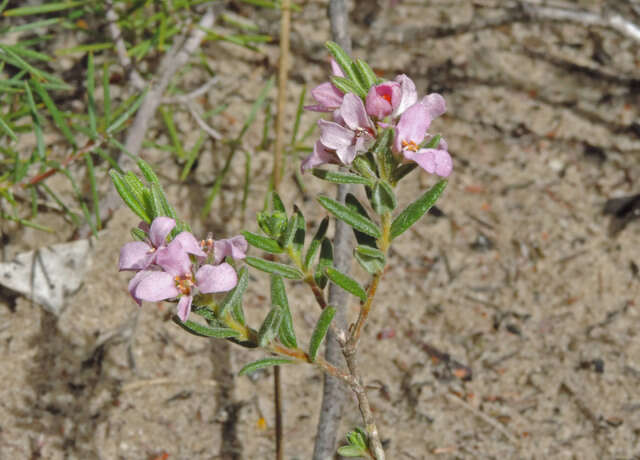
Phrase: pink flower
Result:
[235,247]
[138,255]
[408,97]
[176,279]
[320,155]
[353,134]
[383,98]
[328,97]
[411,131]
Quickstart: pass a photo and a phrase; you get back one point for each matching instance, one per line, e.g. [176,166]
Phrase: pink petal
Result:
[320,155]
[190,244]
[155,286]
[381,98]
[412,126]
[235,247]
[174,259]
[335,136]
[354,114]
[133,284]
[216,278]
[336,70]
[433,161]
[160,228]
[328,97]
[435,104]
[409,95]
[184,307]
[135,256]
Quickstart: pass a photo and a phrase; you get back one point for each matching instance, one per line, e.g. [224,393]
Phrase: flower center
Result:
[184,283]
[387,97]
[410,145]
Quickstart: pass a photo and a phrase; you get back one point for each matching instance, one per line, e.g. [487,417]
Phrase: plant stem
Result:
[277,386]
[285,22]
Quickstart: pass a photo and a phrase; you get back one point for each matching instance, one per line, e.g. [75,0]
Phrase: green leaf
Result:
[41,9]
[431,143]
[91,86]
[314,246]
[352,218]
[53,111]
[273,267]
[326,260]
[347,86]
[135,185]
[205,331]
[351,451]
[262,242]
[367,74]
[127,113]
[358,438]
[347,283]
[287,237]
[339,177]
[5,126]
[417,209]
[365,165]
[346,64]
[270,327]
[234,297]
[383,200]
[262,363]
[161,202]
[401,171]
[128,196]
[273,223]
[322,326]
[279,297]
[300,231]
[276,202]
[147,171]
[362,238]
[382,152]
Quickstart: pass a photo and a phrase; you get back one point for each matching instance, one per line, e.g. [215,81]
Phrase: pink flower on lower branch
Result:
[177,279]
[138,255]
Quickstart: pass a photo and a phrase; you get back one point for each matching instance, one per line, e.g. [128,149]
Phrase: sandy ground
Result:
[519,280]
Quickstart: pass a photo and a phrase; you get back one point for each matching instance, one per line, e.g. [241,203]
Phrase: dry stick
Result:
[283,69]
[333,394]
[121,50]
[174,60]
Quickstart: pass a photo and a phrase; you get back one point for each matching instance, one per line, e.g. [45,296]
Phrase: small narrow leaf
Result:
[352,203]
[262,242]
[273,267]
[351,451]
[235,296]
[383,200]
[382,152]
[127,114]
[300,231]
[401,171]
[128,197]
[279,297]
[347,283]
[352,218]
[57,116]
[367,73]
[91,106]
[322,326]
[348,86]
[365,165]
[340,177]
[147,171]
[262,363]
[326,260]
[269,329]
[205,331]
[314,246]
[417,209]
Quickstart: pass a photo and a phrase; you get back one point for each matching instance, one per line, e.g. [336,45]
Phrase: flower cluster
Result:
[181,268]
[355,124]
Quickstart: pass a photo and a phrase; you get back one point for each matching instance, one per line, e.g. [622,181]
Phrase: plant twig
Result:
[333,394]
[277,386]
[283,69]
[121,50]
